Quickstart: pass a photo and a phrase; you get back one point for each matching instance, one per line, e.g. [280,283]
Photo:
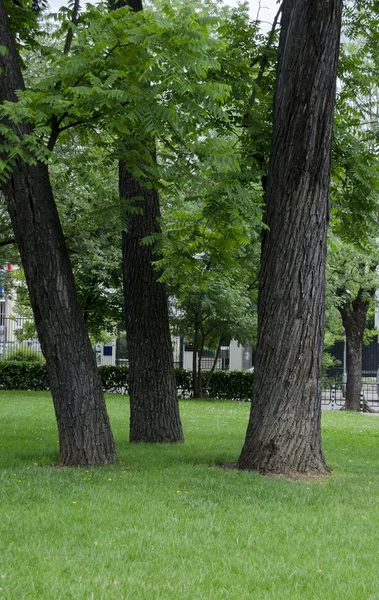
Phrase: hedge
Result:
[234,385]
[23,375]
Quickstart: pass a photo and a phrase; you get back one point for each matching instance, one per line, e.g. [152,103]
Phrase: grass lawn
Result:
[165,523]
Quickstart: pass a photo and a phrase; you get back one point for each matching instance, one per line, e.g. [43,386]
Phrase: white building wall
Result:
[235,356]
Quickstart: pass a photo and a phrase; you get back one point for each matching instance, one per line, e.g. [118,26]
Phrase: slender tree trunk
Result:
[200,353]
[283,435]
[354,318]
[195,380]
[154,408]
[84,431]
[212,369]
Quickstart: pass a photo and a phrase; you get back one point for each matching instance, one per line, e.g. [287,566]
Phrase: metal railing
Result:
[333,394]
[12,339]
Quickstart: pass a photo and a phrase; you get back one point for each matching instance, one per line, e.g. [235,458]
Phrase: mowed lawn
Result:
[167,523]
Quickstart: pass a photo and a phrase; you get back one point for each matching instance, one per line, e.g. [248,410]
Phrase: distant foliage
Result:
[232,385]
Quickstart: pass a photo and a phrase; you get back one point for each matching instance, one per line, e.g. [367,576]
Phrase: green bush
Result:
[115,380]
[232,385]
[184,383]
[28,375]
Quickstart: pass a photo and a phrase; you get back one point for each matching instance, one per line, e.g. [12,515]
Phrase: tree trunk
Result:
[354,318]
[212,369]
[283,434]
[195,380]
[154,408]
[83,427]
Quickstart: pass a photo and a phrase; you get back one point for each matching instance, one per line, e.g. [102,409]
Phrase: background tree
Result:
[355,193]
[212,221]
[355,281]
[154,407]
[283,435]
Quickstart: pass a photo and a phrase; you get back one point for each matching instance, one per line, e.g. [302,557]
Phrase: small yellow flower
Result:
[178,491]
[319,571]
[109,478]
[27,468]
[14,475]
[20,481]
[35,464]
[73,502]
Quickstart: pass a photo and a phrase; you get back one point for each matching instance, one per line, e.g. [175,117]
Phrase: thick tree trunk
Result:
[154,408]
[283,435]
[354,318]
[84,431]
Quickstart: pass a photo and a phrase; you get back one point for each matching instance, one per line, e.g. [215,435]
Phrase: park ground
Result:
[167,523]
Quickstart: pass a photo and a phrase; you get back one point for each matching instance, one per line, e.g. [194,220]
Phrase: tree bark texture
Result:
[154,407]
[84,431]
[354,318]
[283,434]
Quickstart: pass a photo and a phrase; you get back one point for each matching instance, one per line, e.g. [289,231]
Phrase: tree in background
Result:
[154,407]
[354,280]
[212,221]
[283,434]
[353,246]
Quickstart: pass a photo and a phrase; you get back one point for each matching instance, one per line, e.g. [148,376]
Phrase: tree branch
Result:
[70,33]
[263,63]
[7,242]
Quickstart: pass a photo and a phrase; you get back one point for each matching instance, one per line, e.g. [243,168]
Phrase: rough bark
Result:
[154,408]
[283,434]
[354,318]
[83,427]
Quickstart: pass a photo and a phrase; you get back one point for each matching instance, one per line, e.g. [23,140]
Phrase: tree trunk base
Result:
[314,471]
[295,476]
[366,409]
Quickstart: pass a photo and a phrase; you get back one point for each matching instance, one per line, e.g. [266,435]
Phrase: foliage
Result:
[85,188]
[115,380]
[351,274]
[23,375]
[355,170]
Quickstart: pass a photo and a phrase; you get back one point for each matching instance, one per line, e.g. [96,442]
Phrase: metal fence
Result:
[333,394]
[13,341]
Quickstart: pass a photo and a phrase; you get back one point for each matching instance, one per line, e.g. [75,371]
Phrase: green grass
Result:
[165,523]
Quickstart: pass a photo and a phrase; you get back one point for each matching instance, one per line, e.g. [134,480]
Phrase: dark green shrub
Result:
[115,380]
[27,375]
[232,385]
[184,383]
